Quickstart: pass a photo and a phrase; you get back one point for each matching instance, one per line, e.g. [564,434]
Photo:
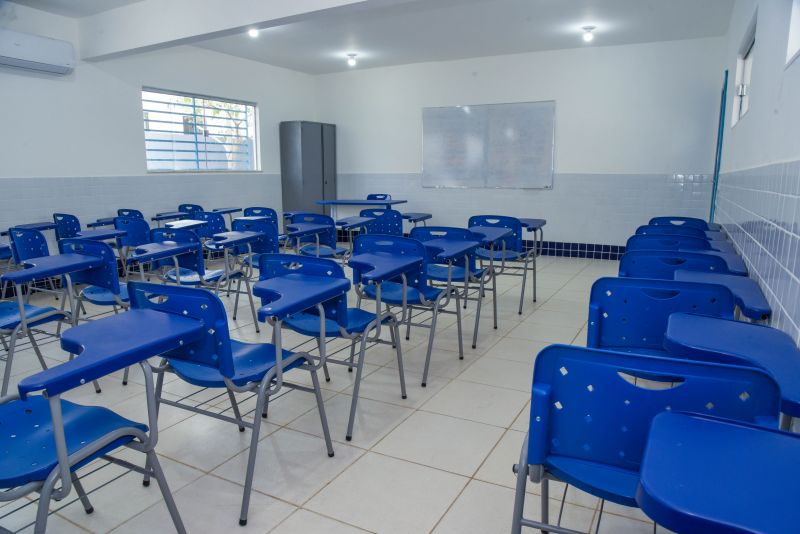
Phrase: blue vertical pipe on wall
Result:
[718,156]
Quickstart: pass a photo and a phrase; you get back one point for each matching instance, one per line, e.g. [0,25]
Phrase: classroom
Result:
[400,266]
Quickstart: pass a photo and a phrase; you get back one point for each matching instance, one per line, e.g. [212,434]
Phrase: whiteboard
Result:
[489,146]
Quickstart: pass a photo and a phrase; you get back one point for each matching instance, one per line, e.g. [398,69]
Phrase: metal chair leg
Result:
[166,494]
[322,415]
[356,387]
[87,506]
[395,334]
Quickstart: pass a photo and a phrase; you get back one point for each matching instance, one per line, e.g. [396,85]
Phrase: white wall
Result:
[89,124]
[646,111]
[759,192]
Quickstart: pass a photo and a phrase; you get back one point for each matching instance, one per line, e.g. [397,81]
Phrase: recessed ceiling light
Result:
[351,59]
[588,36]
[252,32]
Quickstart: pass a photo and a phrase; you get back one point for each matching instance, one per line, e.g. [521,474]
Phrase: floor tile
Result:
[500,373]
[305,522]
[478,402]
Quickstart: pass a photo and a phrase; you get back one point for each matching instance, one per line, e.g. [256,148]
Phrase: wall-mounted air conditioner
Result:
[33,52]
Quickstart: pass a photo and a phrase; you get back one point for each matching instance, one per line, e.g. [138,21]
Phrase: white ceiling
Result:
[75,8]
[431,30]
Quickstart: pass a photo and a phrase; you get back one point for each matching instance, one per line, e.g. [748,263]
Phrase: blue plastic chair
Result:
[190,208]
[379,196]
[47,439]
[26,244]
[461,269]
[103,287]
[591,412]
[387,222]
[327,240]
[631,314]
[511,251]
[353,324]
[257,211]
[217,361]
[671,230]
[420,295]
[66,225]
[268,244]
[137,233]
[662,264]
[690,222]
[131,213]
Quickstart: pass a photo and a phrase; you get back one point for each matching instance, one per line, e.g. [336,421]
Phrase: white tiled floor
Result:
[439,461]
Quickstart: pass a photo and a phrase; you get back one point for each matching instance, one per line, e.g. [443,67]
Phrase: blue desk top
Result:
[41,226]
[305,229]
[699,337]
[226,210]
[735,262]
[359,202]
[48,266]
[745,290]
[417,217]
[110,344]
[101,235]
[252,218]
[168,216]
[491,234]
[532,224]
[231,239]
[450,249]
[186,224]
[160,251]
[349,223]
[377,267]
[710,475]
[296,292]
[104,221]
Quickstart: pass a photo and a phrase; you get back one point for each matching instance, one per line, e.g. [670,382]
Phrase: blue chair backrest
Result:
[268,244]
[586,406]
[27,243]
[106,275]
[215,223]
[275,265]
[190,208]
[393,246]
[213,349]
[66,225]
[428,233]
[666,242]
[690,222]
[257,211]
[662,264]
[131,213]
[514,241]
[193,262]
[671,230]
[387,222]
[327,238]
[137,231]
[379,196]
[633,312]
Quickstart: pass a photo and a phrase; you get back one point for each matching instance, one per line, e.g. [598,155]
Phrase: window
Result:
[185,132]
[744,69]
[793,49]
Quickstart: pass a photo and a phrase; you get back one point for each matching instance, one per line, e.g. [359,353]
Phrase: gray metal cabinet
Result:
[308,165]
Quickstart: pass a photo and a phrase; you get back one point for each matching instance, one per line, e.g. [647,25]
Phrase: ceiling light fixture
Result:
[588,36]
[252,32]
[351,59]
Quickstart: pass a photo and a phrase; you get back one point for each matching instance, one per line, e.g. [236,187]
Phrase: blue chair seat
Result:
[251,360]
[308,324]
[439,273]
[192,278]
[255,257]
[9,315]
[104,297]
[324,251]
[508,255]
[608,482]
[32,456]
[392,293]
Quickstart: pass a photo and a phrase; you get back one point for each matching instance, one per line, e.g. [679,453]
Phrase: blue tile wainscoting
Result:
[578,209]
[760,210]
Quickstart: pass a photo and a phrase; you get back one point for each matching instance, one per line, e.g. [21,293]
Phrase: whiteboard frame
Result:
[546,187]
